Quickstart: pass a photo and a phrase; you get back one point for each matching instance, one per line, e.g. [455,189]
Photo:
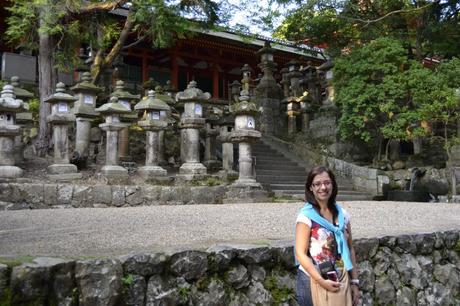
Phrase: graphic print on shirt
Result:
[322,244]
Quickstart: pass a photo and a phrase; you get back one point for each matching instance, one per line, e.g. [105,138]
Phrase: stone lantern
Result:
[292,103]
[235,89]
[127,100]
[61,117]
[310,82]
[326,68]
[244,134]
[305,110]
[154,119]
[167,97]
[226,123]
[246,81]
[267,93]
[111,112]
[211,131]
[23,119]
[285,81]
[84,110]
[9,107]
[191,121]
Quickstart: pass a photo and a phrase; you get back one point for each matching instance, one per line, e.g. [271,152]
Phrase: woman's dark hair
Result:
[310,197]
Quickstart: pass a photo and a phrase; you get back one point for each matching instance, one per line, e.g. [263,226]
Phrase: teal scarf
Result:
[342,245]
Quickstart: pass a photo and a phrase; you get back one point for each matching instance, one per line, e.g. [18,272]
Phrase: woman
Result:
[323,246]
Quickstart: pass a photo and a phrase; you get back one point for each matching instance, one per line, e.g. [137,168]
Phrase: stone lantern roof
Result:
[244,106]
[152,103]
[86,85]
[60,95]
[121,93]
[8,103]
[159,93]
[267,48]
[113,107]
[19,92]
[193,94]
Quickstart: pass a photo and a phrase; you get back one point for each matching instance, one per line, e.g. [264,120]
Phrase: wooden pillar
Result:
[145,66]
[215,82]
[174,69]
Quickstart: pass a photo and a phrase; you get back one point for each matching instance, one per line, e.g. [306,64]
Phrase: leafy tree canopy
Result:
[384,95]
[425,28]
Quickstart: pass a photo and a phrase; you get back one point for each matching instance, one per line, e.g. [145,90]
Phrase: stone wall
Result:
[404,270]
[34,195]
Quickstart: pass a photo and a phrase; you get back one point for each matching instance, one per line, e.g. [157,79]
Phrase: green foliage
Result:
[279,294]
[34,108]
[127,280]
[6,298]
[457,246]
[184,293]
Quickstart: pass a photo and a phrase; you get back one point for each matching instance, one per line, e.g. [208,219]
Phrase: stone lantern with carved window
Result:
[61,118]
[191,122]
[9,107]
[112,112]
[84,110]
[153,112]
[126,99]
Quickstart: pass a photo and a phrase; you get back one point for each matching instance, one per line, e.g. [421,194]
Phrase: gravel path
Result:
[117,231]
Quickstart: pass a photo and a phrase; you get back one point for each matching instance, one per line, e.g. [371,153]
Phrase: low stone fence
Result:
[405,270]
[362,178]
[33,195]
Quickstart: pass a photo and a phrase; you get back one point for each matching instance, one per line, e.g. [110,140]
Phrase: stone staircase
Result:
[285,177]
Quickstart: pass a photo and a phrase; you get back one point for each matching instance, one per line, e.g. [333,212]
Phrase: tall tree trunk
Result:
[47,76]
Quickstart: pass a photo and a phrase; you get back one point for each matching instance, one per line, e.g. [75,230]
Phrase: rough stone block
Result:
[258,294]
[144,264]
[255,255]
[99,281]
[33,193]
[10,193]
[136,291]
[64,194]
[50,194]
[134,195]
[4,280]
[163,291]
[118,196]
[175,195]
[101,194]
[80,196]
[238,277]
[189,264]
[151,194]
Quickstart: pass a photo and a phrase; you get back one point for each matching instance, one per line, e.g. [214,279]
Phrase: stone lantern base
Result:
[152,172]
[63,172]
[212,164]
[191,171]
[114,172]
[247,182]
[10,172]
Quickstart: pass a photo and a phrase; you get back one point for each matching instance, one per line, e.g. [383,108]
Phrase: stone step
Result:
[295,186]
[340,196]
[298,172]
[264,160]
[281,179]
[278,166]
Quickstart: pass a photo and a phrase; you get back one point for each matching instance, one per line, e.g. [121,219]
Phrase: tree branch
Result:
[117,47]
[369,21]
[94,7]
[134,43]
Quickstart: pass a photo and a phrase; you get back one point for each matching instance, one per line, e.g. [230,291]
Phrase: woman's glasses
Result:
[319,184]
